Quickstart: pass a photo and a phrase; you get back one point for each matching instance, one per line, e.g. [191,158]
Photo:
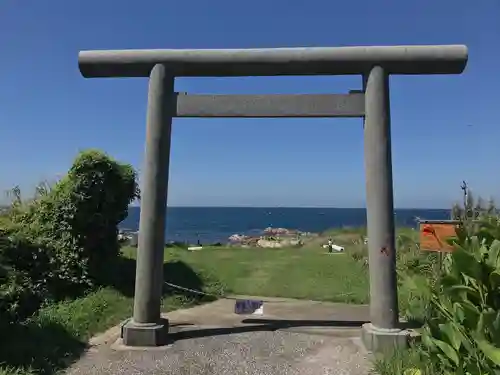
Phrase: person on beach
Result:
[330,245]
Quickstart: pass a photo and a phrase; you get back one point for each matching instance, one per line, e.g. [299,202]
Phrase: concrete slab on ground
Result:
[292,337]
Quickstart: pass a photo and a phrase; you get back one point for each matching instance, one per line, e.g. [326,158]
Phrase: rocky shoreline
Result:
[272,238]
[268,238]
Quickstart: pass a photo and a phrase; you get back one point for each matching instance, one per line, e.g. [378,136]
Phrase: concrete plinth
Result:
[385,339]
[145,334]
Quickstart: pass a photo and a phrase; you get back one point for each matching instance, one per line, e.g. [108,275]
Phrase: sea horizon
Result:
[298,207]
[216,224]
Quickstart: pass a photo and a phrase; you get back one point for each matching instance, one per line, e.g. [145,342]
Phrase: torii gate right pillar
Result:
[383,330]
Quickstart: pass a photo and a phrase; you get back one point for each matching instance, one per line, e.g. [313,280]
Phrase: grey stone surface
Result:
[154,179]
[274,105]
[134,334]
[384,340]
[379,200]
[248,353]
[436,59]
[292,337]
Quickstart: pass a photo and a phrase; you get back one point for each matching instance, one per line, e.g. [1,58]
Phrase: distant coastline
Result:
[217,224]
[300,207]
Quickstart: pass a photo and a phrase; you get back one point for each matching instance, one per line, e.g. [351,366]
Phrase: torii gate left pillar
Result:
[375,64]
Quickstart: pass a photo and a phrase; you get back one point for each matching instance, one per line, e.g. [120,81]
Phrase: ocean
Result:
[216,224]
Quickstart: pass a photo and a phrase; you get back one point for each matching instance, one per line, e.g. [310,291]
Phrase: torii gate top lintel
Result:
[431,59]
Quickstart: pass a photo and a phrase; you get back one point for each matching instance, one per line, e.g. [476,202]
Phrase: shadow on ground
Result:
[174,272]
[43,347]
[263,325]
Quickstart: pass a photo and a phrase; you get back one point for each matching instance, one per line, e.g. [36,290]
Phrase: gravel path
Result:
[211,339]
[251,353]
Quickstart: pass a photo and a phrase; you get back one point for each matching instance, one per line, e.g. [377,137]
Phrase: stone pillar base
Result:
[145,334]
[383,340]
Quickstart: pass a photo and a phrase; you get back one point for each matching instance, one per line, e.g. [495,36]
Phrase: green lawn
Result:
[58,333]
[306,273]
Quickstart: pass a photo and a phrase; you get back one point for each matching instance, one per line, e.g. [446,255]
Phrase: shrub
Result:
[464,334]
[24,277]
[60,243]
[462,330]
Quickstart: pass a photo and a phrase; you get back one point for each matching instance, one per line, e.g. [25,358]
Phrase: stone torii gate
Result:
[374,64]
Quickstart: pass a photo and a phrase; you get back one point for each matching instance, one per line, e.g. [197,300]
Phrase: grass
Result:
[403,362]
[57,335]
[303,273]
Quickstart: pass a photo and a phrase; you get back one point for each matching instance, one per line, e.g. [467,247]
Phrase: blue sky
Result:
[444,128]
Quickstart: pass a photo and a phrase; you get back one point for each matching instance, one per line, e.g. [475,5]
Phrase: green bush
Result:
[461,334]
[24,277]
[60,243]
